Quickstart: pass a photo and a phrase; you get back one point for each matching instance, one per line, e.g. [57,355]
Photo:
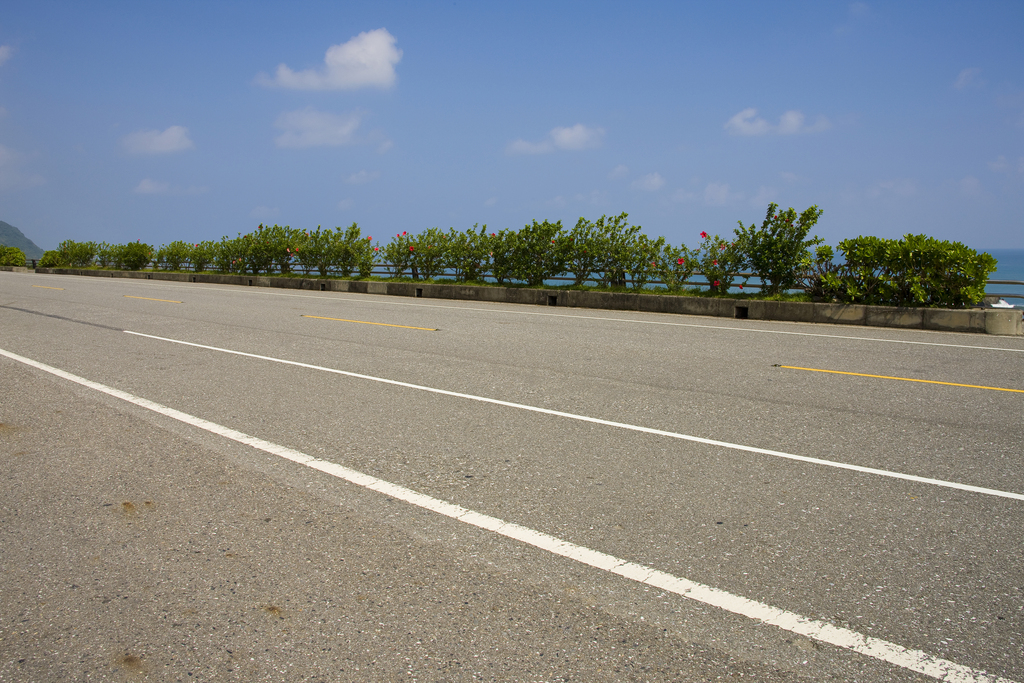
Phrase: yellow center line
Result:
[166,301]
[902,379]
[364,322]
[42,287]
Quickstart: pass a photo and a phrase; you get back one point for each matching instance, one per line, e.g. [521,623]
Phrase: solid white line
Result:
[608,423]
[384,300]
[915,660]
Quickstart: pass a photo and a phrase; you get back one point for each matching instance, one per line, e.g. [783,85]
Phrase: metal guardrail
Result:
[382,270]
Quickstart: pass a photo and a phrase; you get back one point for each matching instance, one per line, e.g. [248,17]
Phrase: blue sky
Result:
[195,120]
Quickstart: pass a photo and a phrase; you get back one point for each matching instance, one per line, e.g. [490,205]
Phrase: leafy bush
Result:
[77,254]
[398,254]
[174,255]
[11,256]
[134,255]
[468,253]
[720,262]
[202,255]
[538,253]
[915,271]
[777,252]
[51,259]
[676,266]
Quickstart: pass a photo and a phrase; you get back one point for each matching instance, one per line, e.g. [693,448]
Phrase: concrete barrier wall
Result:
[978,320]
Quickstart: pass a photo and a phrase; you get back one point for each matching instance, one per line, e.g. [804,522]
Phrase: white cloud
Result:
[683,195]
[150,186]
[5,53]
[790,177]
[362,177]
[491,201]
[524,147]
[12,175]
[649,182]
[577,137]
[967,77]
[310,128]
[716,194]
[901,187]
[970,187]
[345,204]
[264,213]
[620,171]
[858,9]
[174,139]
[384,146]
[747,122]
[369,59]
[573,138]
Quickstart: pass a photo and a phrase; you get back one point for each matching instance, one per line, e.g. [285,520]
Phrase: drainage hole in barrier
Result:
[250,283]
[193,278]
[552,300]
[742,312]
[323,286]
[419,292]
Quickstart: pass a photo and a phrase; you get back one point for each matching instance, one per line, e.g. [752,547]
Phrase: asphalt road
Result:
[136,546]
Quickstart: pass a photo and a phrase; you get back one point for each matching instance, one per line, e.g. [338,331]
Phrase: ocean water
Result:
[1009,266]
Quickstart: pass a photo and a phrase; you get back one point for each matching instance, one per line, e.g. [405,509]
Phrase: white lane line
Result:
[915,660]
[609,423]
[383,300]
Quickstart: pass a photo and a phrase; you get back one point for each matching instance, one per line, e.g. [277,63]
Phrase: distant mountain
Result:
[10,236]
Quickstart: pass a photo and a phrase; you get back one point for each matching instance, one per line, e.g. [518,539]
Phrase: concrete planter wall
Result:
[978,320]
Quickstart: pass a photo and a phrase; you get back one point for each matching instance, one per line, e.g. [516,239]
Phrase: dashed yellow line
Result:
[364,322]
[42,287]
[902,379]
[146,298]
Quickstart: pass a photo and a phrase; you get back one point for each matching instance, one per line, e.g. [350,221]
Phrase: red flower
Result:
[403,232]
[410,248]
[681,261]
[714,263]
[717,283]
[368,239]
[493,235]
[741,286]
[703,235]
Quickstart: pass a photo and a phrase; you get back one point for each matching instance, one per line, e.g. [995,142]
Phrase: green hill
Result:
[10,236]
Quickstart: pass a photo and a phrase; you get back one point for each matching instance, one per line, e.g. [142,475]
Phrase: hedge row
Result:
[609,252]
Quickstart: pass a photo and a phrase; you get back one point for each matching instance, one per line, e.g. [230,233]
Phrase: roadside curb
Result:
[976,320]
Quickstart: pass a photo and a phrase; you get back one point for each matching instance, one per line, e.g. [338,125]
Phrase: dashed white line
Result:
[609,423]
[914,660]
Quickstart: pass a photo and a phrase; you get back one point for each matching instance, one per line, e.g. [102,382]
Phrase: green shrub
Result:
[105,255]
[77,254]
[134,255]
[51,259]
[676,266]
[429,254]
[468,253]
[615,242]
[777,252]
[174,255]
[720,262]
[914,271]
[11,256]
[399,254]
[201,255]
[539,253]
